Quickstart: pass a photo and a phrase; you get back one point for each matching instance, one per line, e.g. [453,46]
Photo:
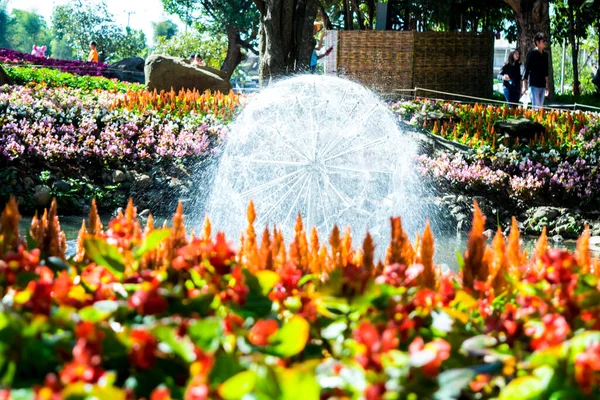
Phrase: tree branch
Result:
[260,4]
[514,4]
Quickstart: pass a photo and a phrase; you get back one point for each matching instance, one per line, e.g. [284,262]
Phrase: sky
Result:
[144,11]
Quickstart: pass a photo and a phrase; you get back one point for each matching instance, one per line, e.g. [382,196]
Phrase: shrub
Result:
[154,313]
[55,78]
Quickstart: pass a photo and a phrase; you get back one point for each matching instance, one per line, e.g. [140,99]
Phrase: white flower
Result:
[442,321]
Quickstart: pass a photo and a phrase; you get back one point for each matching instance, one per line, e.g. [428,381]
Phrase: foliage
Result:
[212,47]
[53,78]
[86,128]
[559,168]
[24,29]
[72,66]
[79,23]
[236,21]
[155,313]
[473,125]
[166,29]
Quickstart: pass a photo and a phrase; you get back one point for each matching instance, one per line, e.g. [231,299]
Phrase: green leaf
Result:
[99,311]
[299,382]
[105,254]
[579,343]
[56,264]
[182,347]
[257,304]
[266,383]
[452,383]
[225,367]
[267,280]
[523,388]
[206,334]
[238,386]
[25,277]
[291,338]
[151,242]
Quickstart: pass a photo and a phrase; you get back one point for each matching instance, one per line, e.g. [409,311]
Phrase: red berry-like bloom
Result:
[261,332]
[143,349]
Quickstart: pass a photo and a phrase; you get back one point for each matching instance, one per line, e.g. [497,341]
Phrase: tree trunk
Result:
[286,37]
[234,52]
[532,16]
[574,48]
[347,16]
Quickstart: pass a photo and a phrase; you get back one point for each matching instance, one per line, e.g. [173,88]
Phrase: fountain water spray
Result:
[324,147]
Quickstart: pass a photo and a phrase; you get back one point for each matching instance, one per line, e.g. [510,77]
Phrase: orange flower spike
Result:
[178,231]
[206,229]
[36,228]
[394,251]
[9,226]
[542,245]
[149,225]
[335,243]
[368,252]
[54,242]
[250,250]
[314,251]
[94,221]
[582,251]
[499,263]
[427,249]
[346,250]
[80,250]
[266,255]
[474,256]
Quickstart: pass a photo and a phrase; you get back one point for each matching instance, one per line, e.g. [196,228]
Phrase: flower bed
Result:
[73,66]
[145,312]
[33,76]
[87,135]
[559,168]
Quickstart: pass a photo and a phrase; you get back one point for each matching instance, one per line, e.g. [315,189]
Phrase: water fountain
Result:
[323,146]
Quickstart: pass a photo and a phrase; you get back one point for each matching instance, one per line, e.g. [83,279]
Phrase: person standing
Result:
[510,74]
[536,72]
[93,56]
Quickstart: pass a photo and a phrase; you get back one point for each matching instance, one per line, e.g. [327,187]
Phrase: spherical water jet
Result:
[324,147]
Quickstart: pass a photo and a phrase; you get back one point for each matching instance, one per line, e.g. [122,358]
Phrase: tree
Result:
[212,48]
[26,29]
[236,19]
[80,23]
[286,36]
[532,16]
[166,29]
[5,22]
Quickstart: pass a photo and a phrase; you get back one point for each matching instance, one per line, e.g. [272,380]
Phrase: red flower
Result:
[261,332]
[587,368]
[236,290]
[375,392]
[553,331]
[222,256]
[143,349]
[147,300]
[429,357]
[232,322]
[558,266]
[367,335]
[160,393]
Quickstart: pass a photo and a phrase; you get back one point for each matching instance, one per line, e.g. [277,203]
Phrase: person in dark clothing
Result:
[536,72]
[510,74]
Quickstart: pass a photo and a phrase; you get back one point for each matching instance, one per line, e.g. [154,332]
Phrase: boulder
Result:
[521,128]
[166,73]
[42,195]
[128,70]
[4,78]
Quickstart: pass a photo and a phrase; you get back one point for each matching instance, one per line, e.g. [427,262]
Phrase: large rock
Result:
[519,128]
[4,78]
[166,73]
[128,69]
